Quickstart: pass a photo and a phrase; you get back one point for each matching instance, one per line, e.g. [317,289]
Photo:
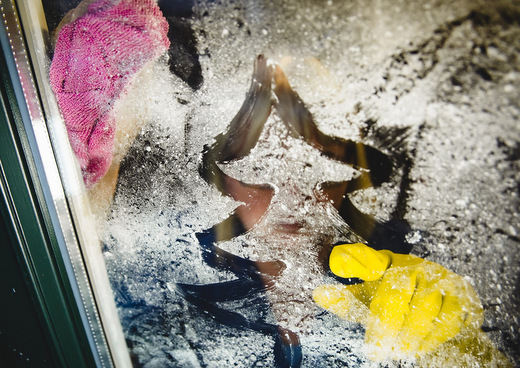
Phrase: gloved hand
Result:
[96,57]
[408,305]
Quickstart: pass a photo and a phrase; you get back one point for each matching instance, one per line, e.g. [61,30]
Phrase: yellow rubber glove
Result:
[408,305]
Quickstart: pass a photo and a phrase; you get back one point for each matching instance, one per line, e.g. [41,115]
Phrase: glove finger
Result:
[425,306]
[447,324]
[358,261]
[389,306]
[461,308]
[340,300]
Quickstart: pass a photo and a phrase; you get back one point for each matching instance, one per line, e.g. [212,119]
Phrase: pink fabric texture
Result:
[94,61]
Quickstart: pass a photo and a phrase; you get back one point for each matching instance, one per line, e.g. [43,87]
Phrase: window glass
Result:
[250,163]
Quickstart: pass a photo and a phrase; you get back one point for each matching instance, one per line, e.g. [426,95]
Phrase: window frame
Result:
[45,204]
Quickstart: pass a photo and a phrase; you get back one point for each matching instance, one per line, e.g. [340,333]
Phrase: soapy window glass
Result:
[228,146]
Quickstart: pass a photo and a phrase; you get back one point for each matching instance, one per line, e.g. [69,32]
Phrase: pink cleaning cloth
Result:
[94,61]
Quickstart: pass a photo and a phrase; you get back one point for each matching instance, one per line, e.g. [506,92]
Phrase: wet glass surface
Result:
[268,132]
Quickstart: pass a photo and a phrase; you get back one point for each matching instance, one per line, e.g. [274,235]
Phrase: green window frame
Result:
[57,309]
